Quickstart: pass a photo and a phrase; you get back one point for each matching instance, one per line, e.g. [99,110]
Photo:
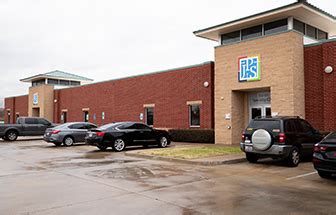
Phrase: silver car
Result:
[68,133]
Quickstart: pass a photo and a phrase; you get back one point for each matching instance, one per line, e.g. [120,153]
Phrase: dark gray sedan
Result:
[68,133]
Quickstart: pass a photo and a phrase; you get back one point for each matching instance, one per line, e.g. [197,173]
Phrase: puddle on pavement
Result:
[96,155]
[73,163]
[135,172]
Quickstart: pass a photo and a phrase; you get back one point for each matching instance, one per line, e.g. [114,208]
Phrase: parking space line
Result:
[301,176]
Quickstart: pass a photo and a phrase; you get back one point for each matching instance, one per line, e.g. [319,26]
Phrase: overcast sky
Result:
[104,39]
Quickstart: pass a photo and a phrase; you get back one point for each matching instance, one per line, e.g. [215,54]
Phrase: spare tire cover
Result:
[261,139]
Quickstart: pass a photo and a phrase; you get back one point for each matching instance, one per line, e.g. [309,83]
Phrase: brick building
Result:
[278,62]
[176,98]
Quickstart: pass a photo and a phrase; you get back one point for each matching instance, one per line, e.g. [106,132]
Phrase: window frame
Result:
[146,115]
[190,115]
[249,35]
[277,31]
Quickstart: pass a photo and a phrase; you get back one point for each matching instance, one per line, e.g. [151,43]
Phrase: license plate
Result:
[248,149]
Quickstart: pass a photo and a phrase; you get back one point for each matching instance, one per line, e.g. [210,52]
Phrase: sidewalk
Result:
[206,161]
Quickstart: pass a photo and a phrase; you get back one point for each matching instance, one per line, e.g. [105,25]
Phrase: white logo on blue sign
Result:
[35,99]
[249,69]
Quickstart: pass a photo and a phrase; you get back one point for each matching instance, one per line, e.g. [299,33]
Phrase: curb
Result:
[194,162]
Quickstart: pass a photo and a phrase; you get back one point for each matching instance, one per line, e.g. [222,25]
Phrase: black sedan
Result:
[122,134]
[324,157]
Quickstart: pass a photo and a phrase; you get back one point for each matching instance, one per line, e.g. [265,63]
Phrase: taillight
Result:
[243,137]
[318,148]
[55,131]
[282,138]
[100,134]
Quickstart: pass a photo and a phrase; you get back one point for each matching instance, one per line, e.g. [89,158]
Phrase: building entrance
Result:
[260,105]
[36,112]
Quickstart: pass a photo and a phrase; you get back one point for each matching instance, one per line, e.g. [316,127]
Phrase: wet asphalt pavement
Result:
[39,178]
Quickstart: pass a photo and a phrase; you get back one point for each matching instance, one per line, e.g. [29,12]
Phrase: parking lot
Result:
[39,178]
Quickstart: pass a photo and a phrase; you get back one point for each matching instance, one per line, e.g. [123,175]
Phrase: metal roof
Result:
[302,3]
[57,75]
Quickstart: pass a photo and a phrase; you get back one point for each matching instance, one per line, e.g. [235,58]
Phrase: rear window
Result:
[269,125]
[62,126]
[108,126]
[331,136]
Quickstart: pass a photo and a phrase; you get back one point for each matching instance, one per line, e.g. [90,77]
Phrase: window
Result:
[64,82]
[311,31]
[141,126]
[38,82]
[275,27]
[86,116]
[126,126]
[53,81]
[90,126]
[31,121]
[289,126]
[78,126]
[74,83]
[269,125]
[230,37]
[322,35]
[194,113]
[305,127]
[299,26]
[43,122]
[65,117]
[149,116]
[253,32]
[8,117]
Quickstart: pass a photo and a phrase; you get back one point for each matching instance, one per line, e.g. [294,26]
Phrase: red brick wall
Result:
[17,104]
[320,87]
[123,99]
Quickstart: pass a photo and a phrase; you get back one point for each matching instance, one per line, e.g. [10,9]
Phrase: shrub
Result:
[192,135]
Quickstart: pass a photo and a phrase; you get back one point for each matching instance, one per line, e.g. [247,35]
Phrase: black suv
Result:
[287,138]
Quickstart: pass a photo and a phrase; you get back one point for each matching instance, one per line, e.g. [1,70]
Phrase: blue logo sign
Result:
[249,69]
[35,99]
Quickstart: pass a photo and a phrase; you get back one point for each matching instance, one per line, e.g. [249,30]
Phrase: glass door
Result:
[256,112]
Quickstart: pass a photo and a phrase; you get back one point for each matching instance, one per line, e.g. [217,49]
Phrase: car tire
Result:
[102,148]
[252,158]
[324,174]
[11,135]
[68,141]
[163,142]
[294,157]
[58,144]
[118,145]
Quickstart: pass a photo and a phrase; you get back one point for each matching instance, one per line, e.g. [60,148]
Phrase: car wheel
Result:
[102,148]
[118,145]
[11,135]
[324,174]
[293,159]
[252,158]
[68,141]
[58,144]
[163,142]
